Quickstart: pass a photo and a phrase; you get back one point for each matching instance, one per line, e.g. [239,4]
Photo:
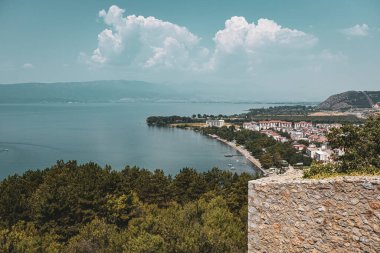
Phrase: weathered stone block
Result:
[330,215]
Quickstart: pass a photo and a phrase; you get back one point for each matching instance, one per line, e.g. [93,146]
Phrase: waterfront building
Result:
[215,123]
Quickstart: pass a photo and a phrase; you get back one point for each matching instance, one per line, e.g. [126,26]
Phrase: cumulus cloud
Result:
[239,34]
[27,66]
[356,31]
[144,41]
[151,43]
[246,40]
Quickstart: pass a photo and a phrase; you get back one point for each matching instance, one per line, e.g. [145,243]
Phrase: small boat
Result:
[230,164]
[5,150]
[233,168]
[228,155]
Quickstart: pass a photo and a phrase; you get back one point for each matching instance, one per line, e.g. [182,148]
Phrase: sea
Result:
[35,136]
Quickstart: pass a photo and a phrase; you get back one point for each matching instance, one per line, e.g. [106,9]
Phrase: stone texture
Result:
[291,214]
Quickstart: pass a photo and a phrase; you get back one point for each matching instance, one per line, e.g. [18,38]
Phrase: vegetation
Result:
[343,119]
[266,149]
[174,119]
[292,113]
[87,208]
[296,113]
[362,151]
[282,110]
[167,120]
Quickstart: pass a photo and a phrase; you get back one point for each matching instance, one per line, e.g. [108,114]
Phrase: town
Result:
[304,136]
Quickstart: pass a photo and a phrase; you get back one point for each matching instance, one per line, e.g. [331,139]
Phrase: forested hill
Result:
[351,99]
[87,208]
[94,91]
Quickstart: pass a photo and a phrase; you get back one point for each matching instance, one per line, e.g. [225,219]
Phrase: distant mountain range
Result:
[125,91]
[351,100]
[94,91]
[132,91]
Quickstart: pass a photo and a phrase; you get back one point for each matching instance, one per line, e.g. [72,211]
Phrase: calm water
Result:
[110,133]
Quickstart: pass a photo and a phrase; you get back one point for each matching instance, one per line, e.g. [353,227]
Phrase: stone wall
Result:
[298,215]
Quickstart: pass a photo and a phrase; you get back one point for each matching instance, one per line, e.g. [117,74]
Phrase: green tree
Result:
[70,196]
[96,236]
[25,238]
[266,160]
[15,192]
[360,143]
[121,209]
[188,185]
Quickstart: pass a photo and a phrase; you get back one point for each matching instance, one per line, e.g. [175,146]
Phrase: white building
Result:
[296,135]
[253,126]
[215,123]
[267,124]
[302,124]
[328,126]
[322,156]
[311,151]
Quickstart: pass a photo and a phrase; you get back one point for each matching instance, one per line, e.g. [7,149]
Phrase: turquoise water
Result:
[38,135]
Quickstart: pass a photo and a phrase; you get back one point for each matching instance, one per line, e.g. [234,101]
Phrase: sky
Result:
[299,49]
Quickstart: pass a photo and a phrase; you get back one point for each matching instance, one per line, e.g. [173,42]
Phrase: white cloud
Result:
[357,30]
[144,41]
[245,41]
[149,43]
[27,66]
[239,34]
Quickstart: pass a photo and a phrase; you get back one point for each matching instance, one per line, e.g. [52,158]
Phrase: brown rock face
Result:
[375,205]
[297,215]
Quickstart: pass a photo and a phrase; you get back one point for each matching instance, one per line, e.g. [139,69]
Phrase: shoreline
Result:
[242,151]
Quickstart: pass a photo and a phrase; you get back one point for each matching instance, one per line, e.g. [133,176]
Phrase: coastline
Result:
[242,151]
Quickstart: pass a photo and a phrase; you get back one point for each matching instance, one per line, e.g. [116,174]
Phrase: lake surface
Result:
[37,135]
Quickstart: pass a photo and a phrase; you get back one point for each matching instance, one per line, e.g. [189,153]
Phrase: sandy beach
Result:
[242,151]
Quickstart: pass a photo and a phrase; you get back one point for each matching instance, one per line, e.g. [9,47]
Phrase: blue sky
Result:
[292,49]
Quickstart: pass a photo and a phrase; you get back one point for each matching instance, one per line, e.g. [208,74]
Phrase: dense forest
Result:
[269,151]
[162,121]
[282,110]
[87,208]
